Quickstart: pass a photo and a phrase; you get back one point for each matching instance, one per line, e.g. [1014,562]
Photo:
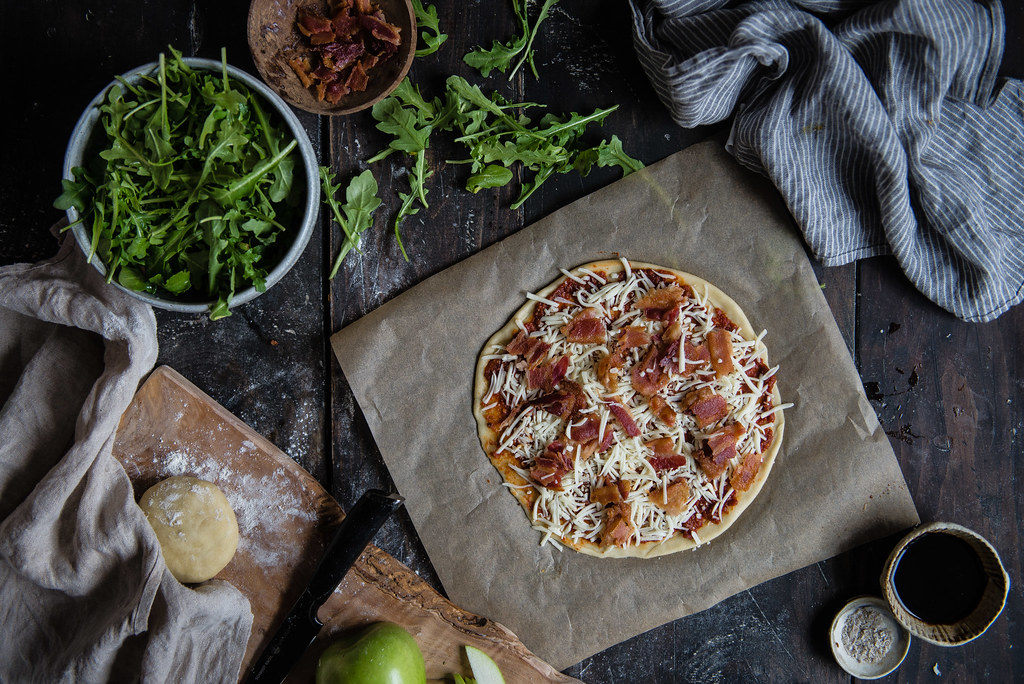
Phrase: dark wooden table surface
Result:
[948,393]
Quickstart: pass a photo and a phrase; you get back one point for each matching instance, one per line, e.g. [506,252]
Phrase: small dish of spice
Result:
[866,639]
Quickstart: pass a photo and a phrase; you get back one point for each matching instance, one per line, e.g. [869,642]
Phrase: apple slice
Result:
[485,670]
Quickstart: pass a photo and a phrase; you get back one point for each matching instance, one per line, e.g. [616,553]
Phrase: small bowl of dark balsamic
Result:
[945,583]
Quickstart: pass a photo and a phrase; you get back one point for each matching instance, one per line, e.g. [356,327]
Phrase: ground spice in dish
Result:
[866,636]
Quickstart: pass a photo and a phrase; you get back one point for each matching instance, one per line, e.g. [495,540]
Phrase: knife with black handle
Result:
[301,625]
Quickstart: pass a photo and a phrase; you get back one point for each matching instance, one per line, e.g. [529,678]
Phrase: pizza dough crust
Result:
[196,527]
[521,488]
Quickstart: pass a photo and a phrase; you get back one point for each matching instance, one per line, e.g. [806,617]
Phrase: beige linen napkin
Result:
[84,592]
[835,484]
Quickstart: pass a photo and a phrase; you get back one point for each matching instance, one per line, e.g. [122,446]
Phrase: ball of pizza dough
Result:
[193,521]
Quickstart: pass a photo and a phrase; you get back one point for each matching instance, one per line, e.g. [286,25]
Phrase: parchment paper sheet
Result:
[836,483]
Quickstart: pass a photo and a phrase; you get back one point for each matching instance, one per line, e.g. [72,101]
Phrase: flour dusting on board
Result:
[264,503]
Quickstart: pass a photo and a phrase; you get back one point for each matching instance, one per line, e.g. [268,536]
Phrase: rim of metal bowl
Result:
[80,136]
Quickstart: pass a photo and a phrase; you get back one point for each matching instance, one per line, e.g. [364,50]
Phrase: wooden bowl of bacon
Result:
[332,56]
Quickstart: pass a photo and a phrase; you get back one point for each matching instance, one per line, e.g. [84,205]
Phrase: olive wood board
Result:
[285,520]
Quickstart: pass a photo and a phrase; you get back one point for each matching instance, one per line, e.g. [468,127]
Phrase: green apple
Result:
[383,653]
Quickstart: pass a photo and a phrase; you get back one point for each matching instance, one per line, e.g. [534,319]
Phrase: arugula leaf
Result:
[361,201]
[190,193]
[497,135]
[426,18]
[491,176]
[527,54]
[500,55]
[610,153]
[76,193]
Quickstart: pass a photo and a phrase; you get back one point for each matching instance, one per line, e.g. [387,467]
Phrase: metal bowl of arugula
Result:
[191,185]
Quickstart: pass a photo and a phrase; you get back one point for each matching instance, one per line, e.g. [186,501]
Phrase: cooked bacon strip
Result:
[587,431]
[518,345]
[607,370]
[671,462]
[695,356]
[302,68]
[621,414]
[551,467]
[705,406]
[345,25]
[585,327]
[632,336]
[663,446]
[342,55]
[720,347]
[618,526]
[662,410]
[673,332]
[665,457]
[532,349]
[336,91]
[719,450]
[606,494]
[667,357]
[381,30]
[673,498]
[357,78]
[349,43]
[537,352]
[310,22]
[743,475]
[648,376]
[325,75]
[657,304]
[547,375]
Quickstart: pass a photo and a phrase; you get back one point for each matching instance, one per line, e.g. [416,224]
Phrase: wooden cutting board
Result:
[285,519]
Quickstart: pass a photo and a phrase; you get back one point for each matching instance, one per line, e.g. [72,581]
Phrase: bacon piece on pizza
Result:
[631,337]
[705,406]
[659,304]
[719,449]
[720,347]
[607,370]
[622,415]
[549,468]
[609,493]
[661,409]
[695,357]
[532,349]
[673,498]
[587,430]
[648,377]
[743,475]
[618,525]
[665,456]
[586,327]
[547,375]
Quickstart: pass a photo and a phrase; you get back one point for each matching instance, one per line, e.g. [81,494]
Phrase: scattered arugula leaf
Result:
[192,189]
[500,55]
[426,18]
[356,215]
[409,119]
[497,135]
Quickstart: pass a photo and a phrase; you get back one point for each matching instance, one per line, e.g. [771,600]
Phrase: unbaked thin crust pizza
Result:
[630,409]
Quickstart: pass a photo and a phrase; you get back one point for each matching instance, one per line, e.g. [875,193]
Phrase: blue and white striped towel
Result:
[880,123]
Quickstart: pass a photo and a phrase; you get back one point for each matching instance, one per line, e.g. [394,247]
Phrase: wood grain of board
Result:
[285,520]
